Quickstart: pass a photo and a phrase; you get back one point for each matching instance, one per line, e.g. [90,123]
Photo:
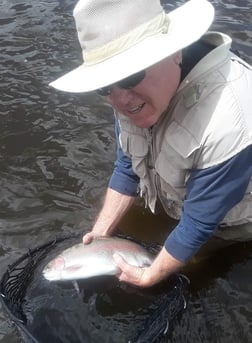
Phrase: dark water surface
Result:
[57,152]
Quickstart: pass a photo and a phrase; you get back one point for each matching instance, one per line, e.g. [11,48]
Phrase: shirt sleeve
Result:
[211,193]
[123,179]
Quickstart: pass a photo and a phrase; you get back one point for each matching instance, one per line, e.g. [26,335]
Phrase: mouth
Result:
[50,276]
[136,109]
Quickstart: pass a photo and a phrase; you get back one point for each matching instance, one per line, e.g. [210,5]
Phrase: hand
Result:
[114,207]
[88,237]
[133,275]
[98,230]
[163,266]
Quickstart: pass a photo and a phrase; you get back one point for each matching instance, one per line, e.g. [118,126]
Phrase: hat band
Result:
[158,24]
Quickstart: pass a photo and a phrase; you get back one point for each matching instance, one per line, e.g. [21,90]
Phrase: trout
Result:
[83,261]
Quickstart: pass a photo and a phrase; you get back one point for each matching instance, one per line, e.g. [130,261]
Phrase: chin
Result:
[141,125]
[145,123]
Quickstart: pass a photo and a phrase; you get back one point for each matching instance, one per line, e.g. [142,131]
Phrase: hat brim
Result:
[186,25]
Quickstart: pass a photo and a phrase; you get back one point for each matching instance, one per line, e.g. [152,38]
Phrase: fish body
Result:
[83,261]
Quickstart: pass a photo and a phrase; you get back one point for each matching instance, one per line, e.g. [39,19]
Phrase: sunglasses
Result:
[127,83]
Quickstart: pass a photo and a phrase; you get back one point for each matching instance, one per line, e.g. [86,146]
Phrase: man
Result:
[183,115]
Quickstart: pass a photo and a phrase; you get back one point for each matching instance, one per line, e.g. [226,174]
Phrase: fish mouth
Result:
[136,109]
[50,275]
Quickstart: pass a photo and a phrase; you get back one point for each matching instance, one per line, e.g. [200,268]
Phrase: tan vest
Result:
[208,121]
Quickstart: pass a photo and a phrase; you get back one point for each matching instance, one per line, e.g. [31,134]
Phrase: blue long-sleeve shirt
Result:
[211,193]
[123,179]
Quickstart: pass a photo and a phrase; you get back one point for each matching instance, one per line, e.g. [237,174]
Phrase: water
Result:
[57,152]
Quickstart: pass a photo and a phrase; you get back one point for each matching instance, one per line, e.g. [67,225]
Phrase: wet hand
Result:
[163,266]
[88,237]
[133,275]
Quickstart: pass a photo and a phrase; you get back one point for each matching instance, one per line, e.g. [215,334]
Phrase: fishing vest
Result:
[208,121]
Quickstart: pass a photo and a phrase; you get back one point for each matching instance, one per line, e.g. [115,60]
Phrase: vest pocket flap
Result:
[181,140]
[134,145]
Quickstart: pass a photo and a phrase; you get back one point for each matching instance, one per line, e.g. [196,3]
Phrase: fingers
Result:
[123,274]
[87,238]
[128,273]
[120,261]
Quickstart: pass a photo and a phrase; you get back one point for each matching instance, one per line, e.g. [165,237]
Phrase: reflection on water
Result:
[57,152]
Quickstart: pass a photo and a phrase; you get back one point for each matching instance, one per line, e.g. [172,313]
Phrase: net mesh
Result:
[14,284]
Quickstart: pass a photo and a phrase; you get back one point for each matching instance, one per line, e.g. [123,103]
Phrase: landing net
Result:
[36,306]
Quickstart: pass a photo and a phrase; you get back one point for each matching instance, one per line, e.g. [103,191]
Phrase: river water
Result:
[57,152]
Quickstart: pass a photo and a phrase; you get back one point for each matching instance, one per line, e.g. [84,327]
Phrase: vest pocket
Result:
[136,148]
[134,145]
[168,172]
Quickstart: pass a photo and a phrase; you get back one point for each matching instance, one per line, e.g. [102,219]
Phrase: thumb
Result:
[120,261]
[87,238]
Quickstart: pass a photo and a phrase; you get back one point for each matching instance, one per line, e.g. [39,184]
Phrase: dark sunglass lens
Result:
[104,91]
[127,83]
[132,81]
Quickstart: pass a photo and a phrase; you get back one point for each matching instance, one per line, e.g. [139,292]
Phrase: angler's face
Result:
[145,103]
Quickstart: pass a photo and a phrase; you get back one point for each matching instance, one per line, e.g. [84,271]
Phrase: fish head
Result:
[53,269]
[58,269]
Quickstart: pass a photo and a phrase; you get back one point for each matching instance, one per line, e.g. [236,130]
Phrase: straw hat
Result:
[121,37]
